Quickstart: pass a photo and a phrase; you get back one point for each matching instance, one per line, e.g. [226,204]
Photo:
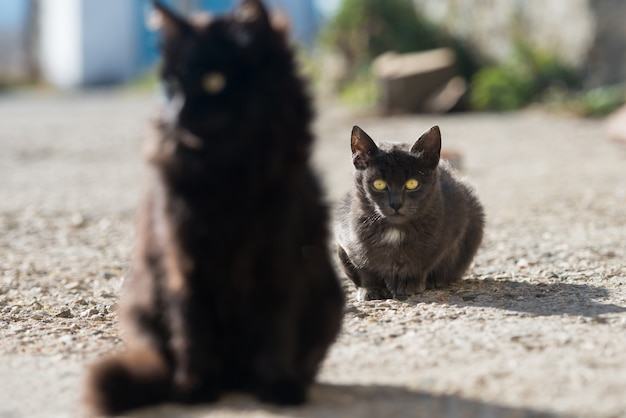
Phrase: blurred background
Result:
[392,55]
[75,43]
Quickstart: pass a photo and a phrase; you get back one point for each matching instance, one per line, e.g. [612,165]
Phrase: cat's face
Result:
[398,181]
[211,66]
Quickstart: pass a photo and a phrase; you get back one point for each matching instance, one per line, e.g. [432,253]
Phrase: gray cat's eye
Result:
[411,184]
[379,185]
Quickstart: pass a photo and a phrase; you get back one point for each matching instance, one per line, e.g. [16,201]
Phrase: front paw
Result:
[364,294]
[437,283]
[283,392]
[414,287]
[404,288]
[193,388]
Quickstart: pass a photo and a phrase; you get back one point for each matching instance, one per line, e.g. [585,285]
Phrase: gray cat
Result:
[409,224]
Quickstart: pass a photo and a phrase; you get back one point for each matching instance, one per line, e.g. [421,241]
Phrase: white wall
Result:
[60,44]
[86,42]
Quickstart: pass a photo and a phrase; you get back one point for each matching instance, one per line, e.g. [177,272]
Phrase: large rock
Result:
[588,34]
[418,82]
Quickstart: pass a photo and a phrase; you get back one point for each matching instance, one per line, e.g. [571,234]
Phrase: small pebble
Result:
[89,313]
[77,220]
[39,315]
[65,313]
[72,285]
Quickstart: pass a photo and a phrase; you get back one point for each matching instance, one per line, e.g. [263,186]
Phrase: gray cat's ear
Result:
[363,148]
[428,147]
[173,26]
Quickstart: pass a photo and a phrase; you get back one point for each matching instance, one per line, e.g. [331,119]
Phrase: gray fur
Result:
[431,236]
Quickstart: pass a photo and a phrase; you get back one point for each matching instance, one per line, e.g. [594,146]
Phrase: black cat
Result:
[409,224]
[232,286]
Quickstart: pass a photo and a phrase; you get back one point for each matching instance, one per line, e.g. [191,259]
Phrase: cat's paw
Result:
[201,393]
[283,392]
[440,283]
[415,287]
[364,294]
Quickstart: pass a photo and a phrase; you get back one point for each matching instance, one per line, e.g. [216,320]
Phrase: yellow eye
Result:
[379,184]
[213,82]
[411,184]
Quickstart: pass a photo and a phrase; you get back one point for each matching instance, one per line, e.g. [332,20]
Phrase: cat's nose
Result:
[395,204]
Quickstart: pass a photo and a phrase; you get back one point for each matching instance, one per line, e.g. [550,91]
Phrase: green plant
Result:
[602,100]
[363,91]
[501,88]
[146,81]
[524,79]
[596,102]
[307,63]
[364,29]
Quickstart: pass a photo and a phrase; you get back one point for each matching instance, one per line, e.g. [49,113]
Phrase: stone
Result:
[65,313]
[408,81]
[450,97]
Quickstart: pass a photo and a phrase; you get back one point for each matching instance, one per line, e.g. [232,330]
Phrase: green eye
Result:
[379,184]
[411,184]
[213,82]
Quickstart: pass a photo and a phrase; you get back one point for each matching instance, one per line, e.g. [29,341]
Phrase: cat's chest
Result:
[392,237]
[391,244]
[381,244]
[394,250]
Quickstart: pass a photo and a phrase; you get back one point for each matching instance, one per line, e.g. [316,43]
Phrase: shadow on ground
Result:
[351,401]
[531,298]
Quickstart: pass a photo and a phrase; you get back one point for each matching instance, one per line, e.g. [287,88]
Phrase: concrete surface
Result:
[537,328]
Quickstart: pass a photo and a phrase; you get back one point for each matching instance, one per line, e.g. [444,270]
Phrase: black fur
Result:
[232,286]
[396,242]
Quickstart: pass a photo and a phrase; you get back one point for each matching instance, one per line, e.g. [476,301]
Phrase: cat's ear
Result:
[428,147]
[173,26]
[253,12]
[281,23]
[363,148]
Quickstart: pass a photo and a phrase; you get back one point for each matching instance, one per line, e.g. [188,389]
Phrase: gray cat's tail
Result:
[128,381]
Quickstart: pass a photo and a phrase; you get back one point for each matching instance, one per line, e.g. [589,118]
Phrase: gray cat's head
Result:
[398,181]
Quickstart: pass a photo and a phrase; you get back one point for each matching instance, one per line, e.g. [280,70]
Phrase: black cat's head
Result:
[397,181]
[214,67]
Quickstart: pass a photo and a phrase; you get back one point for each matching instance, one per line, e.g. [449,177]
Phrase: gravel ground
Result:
[537,328]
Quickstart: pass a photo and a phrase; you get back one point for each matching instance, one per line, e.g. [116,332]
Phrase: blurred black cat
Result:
[232,286]
[408,224]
